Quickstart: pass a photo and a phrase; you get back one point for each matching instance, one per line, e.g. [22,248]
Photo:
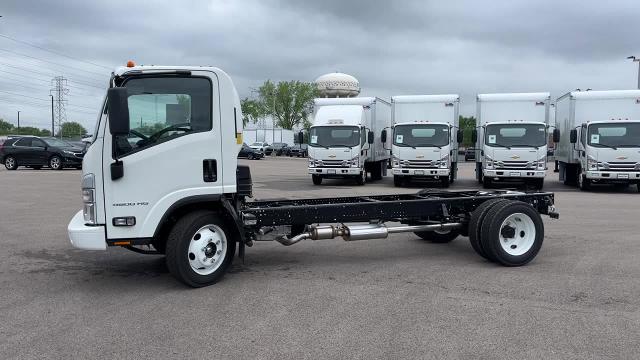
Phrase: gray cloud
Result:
[391,47]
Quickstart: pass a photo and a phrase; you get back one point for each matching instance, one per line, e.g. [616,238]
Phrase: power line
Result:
[50,62]
[27,96]
[49,75]
[55,52]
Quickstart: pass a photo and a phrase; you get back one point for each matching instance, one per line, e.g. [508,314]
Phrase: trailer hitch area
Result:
[553,212]
[359,232]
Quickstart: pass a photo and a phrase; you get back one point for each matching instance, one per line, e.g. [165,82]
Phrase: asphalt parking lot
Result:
[395,298]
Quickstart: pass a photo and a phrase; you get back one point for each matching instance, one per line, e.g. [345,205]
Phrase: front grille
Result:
[514,165]
[419,164]
[332,163]
[619,166]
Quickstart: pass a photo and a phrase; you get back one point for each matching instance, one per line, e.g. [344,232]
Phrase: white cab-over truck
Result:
[598,138]
[348,139]
[172,185]
[511,138]
[425,138]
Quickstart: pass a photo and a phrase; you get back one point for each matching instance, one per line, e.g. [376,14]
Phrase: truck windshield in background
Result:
[163,108]
[516,135]
[334,136]
[421,135]
[614,135]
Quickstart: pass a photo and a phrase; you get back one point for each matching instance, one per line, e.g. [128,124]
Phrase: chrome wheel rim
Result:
[10,162]
[207,249]
[517,234]
[54,163]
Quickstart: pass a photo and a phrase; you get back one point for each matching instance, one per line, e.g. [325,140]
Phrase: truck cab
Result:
[346,139]
[425,138]
[511,138]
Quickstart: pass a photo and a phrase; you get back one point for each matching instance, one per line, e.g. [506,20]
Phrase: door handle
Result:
[209,170]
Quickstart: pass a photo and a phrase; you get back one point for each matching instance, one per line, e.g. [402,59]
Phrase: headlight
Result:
[68,152]
[312,162]
[592,163]
[89,198]
[444,162]
[542,163]
[395,162]
[355,162]
[488,162]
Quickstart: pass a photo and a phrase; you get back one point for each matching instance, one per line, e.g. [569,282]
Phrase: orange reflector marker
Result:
[121,243]
[130,63]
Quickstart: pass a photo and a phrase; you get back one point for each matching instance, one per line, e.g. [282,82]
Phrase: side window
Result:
[164,108]
[37,143]
[23,142]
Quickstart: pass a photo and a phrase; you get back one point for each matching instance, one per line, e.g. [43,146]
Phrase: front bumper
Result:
[514,174]
[86,237]
[420,172]
[335,171]
[605,175]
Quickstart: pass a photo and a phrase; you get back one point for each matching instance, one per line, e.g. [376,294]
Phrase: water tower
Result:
[337,84]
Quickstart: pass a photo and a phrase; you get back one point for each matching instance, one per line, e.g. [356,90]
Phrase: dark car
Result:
[250,153]
[37,152]
[299,150]
[469,154]
[280,148]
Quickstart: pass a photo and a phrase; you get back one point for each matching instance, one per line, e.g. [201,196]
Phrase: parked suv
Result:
[262,146]
[250,153]
[299,150]
[36,152]
[280,148]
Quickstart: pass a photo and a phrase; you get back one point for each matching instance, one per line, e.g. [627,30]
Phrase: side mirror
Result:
[118,109]
[383,135]
[300,137]
[474,135]
[573,136]
[370,137]
[460,136]
[556,135]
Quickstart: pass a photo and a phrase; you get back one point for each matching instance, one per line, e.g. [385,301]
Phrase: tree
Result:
[288,102]
[467,124]
[5,127]
[72,129]
[252,110]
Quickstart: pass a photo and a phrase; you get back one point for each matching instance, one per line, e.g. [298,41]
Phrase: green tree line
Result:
[69,129]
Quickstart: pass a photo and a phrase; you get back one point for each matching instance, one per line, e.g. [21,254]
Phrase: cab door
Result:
[172,153]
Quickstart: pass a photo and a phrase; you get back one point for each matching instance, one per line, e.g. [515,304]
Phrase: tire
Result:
[486,182]
[376,174]
[475,223]
[584,184]
[10,163]
[250,157]
[445,181]
[55,162]
[512,233]
[317,179]
[439,237]
[398,181]
[190,263]
[362,178]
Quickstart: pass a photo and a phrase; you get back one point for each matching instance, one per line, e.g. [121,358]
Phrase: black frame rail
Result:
[426,205]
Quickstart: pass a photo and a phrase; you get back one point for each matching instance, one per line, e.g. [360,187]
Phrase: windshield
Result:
[334,136]
[614,135]
[56,142]
[422,135]
[516,135]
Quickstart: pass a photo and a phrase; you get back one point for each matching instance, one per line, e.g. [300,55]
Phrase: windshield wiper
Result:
[628,145]
[606,145]
[500,145]
[527,145]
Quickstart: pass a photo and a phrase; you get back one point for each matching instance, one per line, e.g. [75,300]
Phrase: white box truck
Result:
[511,138]
[348,139]
[597,137]
[425,138]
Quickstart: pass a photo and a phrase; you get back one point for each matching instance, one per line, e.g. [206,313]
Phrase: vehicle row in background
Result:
[38,152]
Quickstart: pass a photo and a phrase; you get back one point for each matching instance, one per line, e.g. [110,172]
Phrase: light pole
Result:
[634,59]
[18,119]
[53,133]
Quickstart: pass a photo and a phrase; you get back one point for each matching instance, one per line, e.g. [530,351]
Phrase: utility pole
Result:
[52,121]
[60,91]
[18,119]
[634,59]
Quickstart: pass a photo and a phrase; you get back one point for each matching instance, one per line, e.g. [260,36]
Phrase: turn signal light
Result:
[130,63]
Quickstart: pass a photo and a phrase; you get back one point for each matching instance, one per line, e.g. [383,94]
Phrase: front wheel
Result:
[250,157]
[486,182]
[398,181]
[317,179]
[55,162]
[200,248]
[445,181]
[362,178]
[10,163]
[583,183]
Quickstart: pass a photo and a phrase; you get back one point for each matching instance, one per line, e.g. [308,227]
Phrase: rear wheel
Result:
[55,162]
[512,233]
[439,236]
[10,163]
[475,223]
[362,178]
[317,179]
[200,248]
[378,170]
[250,157]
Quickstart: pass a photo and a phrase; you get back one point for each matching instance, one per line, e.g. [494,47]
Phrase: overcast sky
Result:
[391,47]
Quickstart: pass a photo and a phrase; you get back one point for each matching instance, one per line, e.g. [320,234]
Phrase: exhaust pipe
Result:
[360,232]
